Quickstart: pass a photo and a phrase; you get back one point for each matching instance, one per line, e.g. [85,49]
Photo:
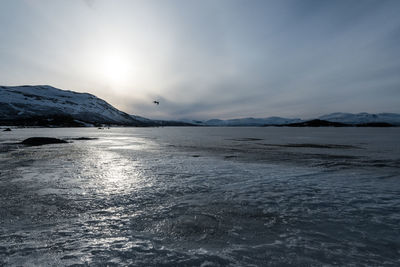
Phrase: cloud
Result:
[205,59]
[89,3]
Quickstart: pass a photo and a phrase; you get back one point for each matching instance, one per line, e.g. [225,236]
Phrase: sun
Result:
[116,68]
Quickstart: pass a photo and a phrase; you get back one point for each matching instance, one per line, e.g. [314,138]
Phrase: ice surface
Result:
[201,196]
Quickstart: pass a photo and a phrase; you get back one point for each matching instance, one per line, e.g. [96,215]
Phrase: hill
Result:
[45,105]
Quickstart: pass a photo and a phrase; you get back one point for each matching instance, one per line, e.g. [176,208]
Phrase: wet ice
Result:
[138,196]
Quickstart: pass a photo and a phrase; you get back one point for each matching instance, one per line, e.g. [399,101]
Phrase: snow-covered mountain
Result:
[43,105]
[25,104]
[362,118]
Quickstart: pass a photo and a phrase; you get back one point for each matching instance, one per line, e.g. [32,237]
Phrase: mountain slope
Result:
[362,118]
[162,122]
[34,104]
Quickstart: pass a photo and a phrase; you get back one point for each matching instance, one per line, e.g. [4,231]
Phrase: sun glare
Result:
[116,68]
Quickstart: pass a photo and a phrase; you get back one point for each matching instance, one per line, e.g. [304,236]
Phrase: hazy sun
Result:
[116,68]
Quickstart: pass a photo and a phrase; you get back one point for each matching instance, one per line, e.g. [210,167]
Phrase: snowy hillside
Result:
[27,102]
[361,118]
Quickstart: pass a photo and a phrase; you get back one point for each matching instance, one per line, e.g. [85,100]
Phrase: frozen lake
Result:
[201,197]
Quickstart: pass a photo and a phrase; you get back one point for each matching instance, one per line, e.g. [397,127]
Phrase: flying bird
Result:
[156,102]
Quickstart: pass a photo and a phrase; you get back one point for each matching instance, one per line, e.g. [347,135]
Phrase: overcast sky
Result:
[209,59]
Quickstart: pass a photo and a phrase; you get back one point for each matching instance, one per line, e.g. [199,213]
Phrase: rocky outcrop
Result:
[38,141]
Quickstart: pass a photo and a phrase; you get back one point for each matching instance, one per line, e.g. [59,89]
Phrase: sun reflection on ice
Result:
[110,170]
[113,173]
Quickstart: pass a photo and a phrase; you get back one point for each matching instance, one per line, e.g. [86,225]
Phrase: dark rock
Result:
[84,138]
[38,141]
[7,130]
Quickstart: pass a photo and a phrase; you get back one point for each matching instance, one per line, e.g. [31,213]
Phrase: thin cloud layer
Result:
[206,59]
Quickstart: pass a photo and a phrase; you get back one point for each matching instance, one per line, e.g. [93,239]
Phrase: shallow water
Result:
[201,197]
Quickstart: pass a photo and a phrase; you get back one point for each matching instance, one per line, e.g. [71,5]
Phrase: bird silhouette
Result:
[156,102]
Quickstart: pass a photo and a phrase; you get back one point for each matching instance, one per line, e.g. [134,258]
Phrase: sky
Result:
[208,59]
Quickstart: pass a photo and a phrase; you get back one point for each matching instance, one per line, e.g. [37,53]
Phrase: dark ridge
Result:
[375,124]
[173,123]
[38,141]
[44,121]
[317,123]
[323,123]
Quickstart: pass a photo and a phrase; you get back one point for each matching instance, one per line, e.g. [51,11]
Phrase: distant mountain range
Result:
[45,105]
[362,118]
[333,120]
[246,121]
